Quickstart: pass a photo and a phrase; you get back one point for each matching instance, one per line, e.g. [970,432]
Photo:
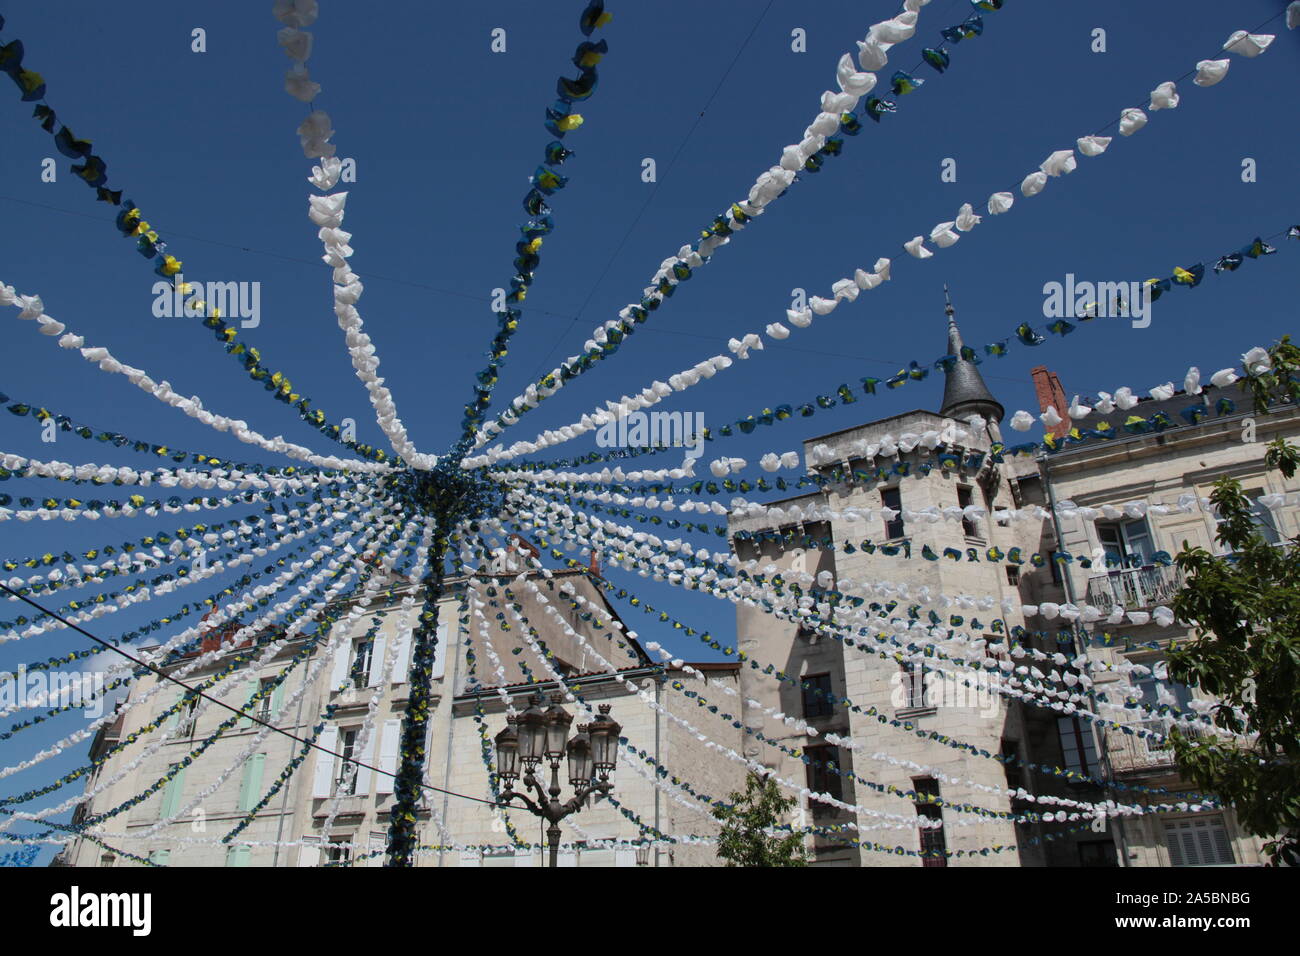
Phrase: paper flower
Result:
[916,247]
[1248,44]
[837,103]
[1125,398]
[1105,403]
[790,459]
[1130,121]
[299,84]
[966,218]
[295,43]
[1078,411]
[1293,15]
[1000,203]
[1163,392]
[871,55]
[1092,145]
[295,13]
[1256,361]
[1051,418]
[1223,378]
[1022,421]
[938,59]
[326,175]
[1209,72]
[900,28]
[881,269]
[903,83]
[822,306]
[823,125]
[845,289]
[851,81]
[777,331]
[866,280]
[313,134]
[1033,184]
[1164,97]
[800,318]
[769,462]
[1059,163]
[943,235]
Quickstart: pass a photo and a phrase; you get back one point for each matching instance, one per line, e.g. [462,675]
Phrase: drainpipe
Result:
[1067,581]
[659,685]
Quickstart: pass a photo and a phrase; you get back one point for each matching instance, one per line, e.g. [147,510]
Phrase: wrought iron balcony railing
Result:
[1135,589]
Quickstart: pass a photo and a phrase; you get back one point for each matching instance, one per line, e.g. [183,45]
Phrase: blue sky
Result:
[445,134]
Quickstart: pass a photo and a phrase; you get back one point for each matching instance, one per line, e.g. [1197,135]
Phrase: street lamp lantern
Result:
[508,751]
[539,734]
[580,764]
[532,733]
[557,727]
[643,854]
[604,732]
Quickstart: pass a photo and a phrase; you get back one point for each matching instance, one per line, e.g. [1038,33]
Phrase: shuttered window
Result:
[1198,841]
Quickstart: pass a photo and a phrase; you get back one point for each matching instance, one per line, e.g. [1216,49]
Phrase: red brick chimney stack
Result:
[1048,389]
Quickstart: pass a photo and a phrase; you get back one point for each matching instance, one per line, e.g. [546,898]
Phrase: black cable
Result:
[236,710]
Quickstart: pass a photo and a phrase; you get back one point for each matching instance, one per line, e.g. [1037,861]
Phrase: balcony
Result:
[1131,754]
[1135,589]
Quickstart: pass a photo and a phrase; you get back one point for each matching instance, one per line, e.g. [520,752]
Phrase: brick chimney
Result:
[594,566]
[1048,389]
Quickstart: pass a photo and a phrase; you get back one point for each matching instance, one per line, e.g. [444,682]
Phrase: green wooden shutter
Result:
[238,855]
[161,857]
[250,787]
[172,794]
[277,699]
[246,722]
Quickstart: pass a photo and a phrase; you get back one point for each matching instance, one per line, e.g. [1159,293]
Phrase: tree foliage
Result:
[1244,608]
[746,839]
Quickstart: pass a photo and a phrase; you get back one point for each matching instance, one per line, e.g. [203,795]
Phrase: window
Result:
[188,717]
[1198,841]
[265,687]
[1077,746]
[107,859]
[1150,687]
[1097,853]
[1013,575]
[968,526]
[360,669]
[933,844]
[817,698]
[238,855]
[160,857]
[912,680]
[1264,520]
[340,854]
[822,779]
[892,498]
[1127,544]
[345,784]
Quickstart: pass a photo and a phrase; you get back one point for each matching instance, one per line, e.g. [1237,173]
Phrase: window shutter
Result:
[250,787]
[388,746]
[378,842]
[277,700]
[161,857]
[1221,841]
[172,794]
[175,716]
[440,652]
[340,672]
[363,773]
[309,855]
[253,685]
[238,855]
[402,664]
[322,782]
[624,856]
[377,661]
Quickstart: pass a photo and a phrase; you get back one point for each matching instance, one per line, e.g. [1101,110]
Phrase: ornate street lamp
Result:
[543,734]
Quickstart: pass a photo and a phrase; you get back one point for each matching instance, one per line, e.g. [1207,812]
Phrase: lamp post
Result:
[539,735]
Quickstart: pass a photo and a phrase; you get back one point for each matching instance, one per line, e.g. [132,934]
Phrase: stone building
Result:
[331,811]
[894,702]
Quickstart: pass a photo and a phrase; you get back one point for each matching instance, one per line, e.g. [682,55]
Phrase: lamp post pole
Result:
[537,735]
